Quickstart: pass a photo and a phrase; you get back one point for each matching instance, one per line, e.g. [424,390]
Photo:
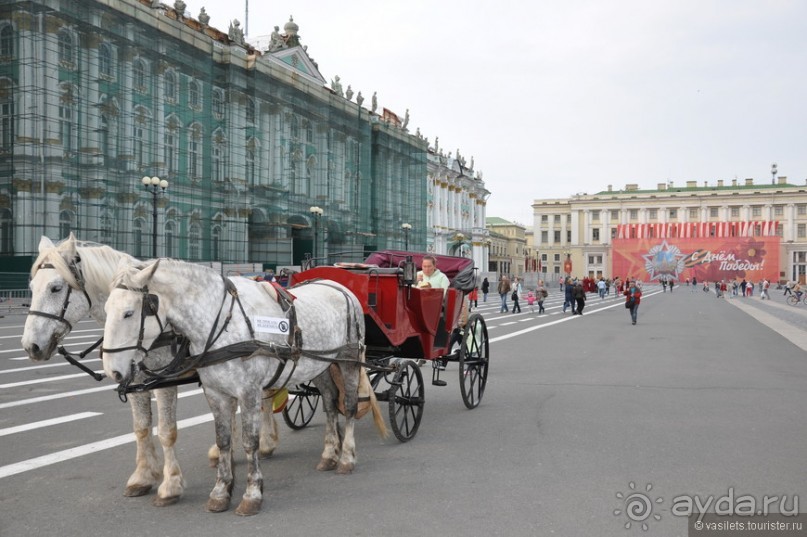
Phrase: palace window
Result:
[105,60]
[7,41]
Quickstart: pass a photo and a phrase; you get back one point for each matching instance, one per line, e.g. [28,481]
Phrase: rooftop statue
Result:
[336,86]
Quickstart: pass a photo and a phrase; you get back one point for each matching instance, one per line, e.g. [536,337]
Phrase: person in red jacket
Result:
[633,292]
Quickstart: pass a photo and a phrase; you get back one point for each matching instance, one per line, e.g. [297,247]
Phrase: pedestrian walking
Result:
[485,289]
[579,298]
[568,295]
[540,294]
[515,296]
[765,286]
[504,290]
[473,299]
[633,294]
[531,300]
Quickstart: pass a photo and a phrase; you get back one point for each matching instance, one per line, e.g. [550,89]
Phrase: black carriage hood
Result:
[459,270]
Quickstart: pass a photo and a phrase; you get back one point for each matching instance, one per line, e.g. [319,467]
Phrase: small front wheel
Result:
[406,399]
[301,407]
[474,361]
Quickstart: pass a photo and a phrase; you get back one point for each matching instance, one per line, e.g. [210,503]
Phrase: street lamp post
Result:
[774,169]
[406,227]
[156,187]
[316,212]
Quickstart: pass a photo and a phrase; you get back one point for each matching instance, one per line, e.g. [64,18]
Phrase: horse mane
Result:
[99,263]
[124,278]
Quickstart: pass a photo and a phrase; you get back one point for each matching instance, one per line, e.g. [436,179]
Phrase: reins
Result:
[184,363]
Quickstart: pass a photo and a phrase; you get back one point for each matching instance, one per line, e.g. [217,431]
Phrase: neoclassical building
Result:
[714,231]
[265,161]
[457,200]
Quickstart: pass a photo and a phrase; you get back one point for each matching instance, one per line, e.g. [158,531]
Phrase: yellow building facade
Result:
[574,236]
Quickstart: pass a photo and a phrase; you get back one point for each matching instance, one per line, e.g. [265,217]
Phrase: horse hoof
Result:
[164,502]
[248,507]
[267,453]
[326,465]
[133,491]
[218,505]
[345,468]
[214,463]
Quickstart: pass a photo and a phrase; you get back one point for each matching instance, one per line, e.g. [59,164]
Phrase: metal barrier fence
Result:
[15,300]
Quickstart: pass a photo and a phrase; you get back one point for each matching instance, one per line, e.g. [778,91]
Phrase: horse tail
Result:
[365,386]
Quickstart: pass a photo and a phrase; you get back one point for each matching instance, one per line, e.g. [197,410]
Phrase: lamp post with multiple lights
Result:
[406,227]
[156,187]
[317,213]
[774,169]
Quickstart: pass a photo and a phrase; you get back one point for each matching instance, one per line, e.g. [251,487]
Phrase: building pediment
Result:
[296,59]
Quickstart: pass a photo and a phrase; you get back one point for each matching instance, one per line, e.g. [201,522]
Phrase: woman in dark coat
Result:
[485,289]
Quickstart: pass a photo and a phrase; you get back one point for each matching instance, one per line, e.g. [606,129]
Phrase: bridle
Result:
[149,308]
[76,271]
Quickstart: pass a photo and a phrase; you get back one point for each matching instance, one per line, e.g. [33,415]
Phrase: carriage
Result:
[406,328]
[169,312]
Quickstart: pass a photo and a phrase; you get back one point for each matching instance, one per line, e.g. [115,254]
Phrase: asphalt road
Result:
[700,398]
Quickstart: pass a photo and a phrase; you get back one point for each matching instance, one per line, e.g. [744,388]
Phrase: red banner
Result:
[708,258]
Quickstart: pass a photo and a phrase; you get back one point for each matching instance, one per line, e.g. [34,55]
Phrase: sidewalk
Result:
[789,321]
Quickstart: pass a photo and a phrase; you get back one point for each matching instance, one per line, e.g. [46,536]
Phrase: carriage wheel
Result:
[474,360]
[301,409]
[406,399]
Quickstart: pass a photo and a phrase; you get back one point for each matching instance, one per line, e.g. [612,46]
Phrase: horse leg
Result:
[223,408]
[147,471]
[270,434]
[213,453]
[347,459]
[250,438]
[330,394]
[173,483]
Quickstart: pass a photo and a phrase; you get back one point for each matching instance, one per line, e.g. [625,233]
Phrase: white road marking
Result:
[46,366]
[48,423]
[42,399]
[94,447]
[40,381]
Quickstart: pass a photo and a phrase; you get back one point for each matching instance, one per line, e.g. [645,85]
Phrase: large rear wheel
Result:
[301,407]
[474,360]
[406,400]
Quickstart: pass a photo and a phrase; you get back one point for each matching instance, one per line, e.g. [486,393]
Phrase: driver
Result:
[430,276]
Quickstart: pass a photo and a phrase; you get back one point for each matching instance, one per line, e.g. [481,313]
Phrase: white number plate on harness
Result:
[271,325]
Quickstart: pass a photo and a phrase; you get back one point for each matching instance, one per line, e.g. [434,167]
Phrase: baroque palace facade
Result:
[720,231]
[264,162]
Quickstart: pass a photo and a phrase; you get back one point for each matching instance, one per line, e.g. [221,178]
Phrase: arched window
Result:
[139,75]
[7,41]
[107,222]
[171,145]
[170,86]
[215,243]
[138,236]
[195,242]
[6,241]
[250,157]
[105,60]
[250,110]
[309,131]
[6,116]
[217,156]
[140,136]
[66,48]
[65,223]
[194,94]
[170,239]
[67,126]
[218,103]
[294,127]
[195,152]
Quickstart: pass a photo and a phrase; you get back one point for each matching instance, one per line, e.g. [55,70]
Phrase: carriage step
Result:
[438,382]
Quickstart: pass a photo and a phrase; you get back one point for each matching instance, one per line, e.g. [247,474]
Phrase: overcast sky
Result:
[555,98]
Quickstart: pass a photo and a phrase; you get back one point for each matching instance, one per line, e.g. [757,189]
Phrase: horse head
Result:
[133,320]
[58,298]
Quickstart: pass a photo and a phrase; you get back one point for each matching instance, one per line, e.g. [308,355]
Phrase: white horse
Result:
[240,345]
[71,281]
